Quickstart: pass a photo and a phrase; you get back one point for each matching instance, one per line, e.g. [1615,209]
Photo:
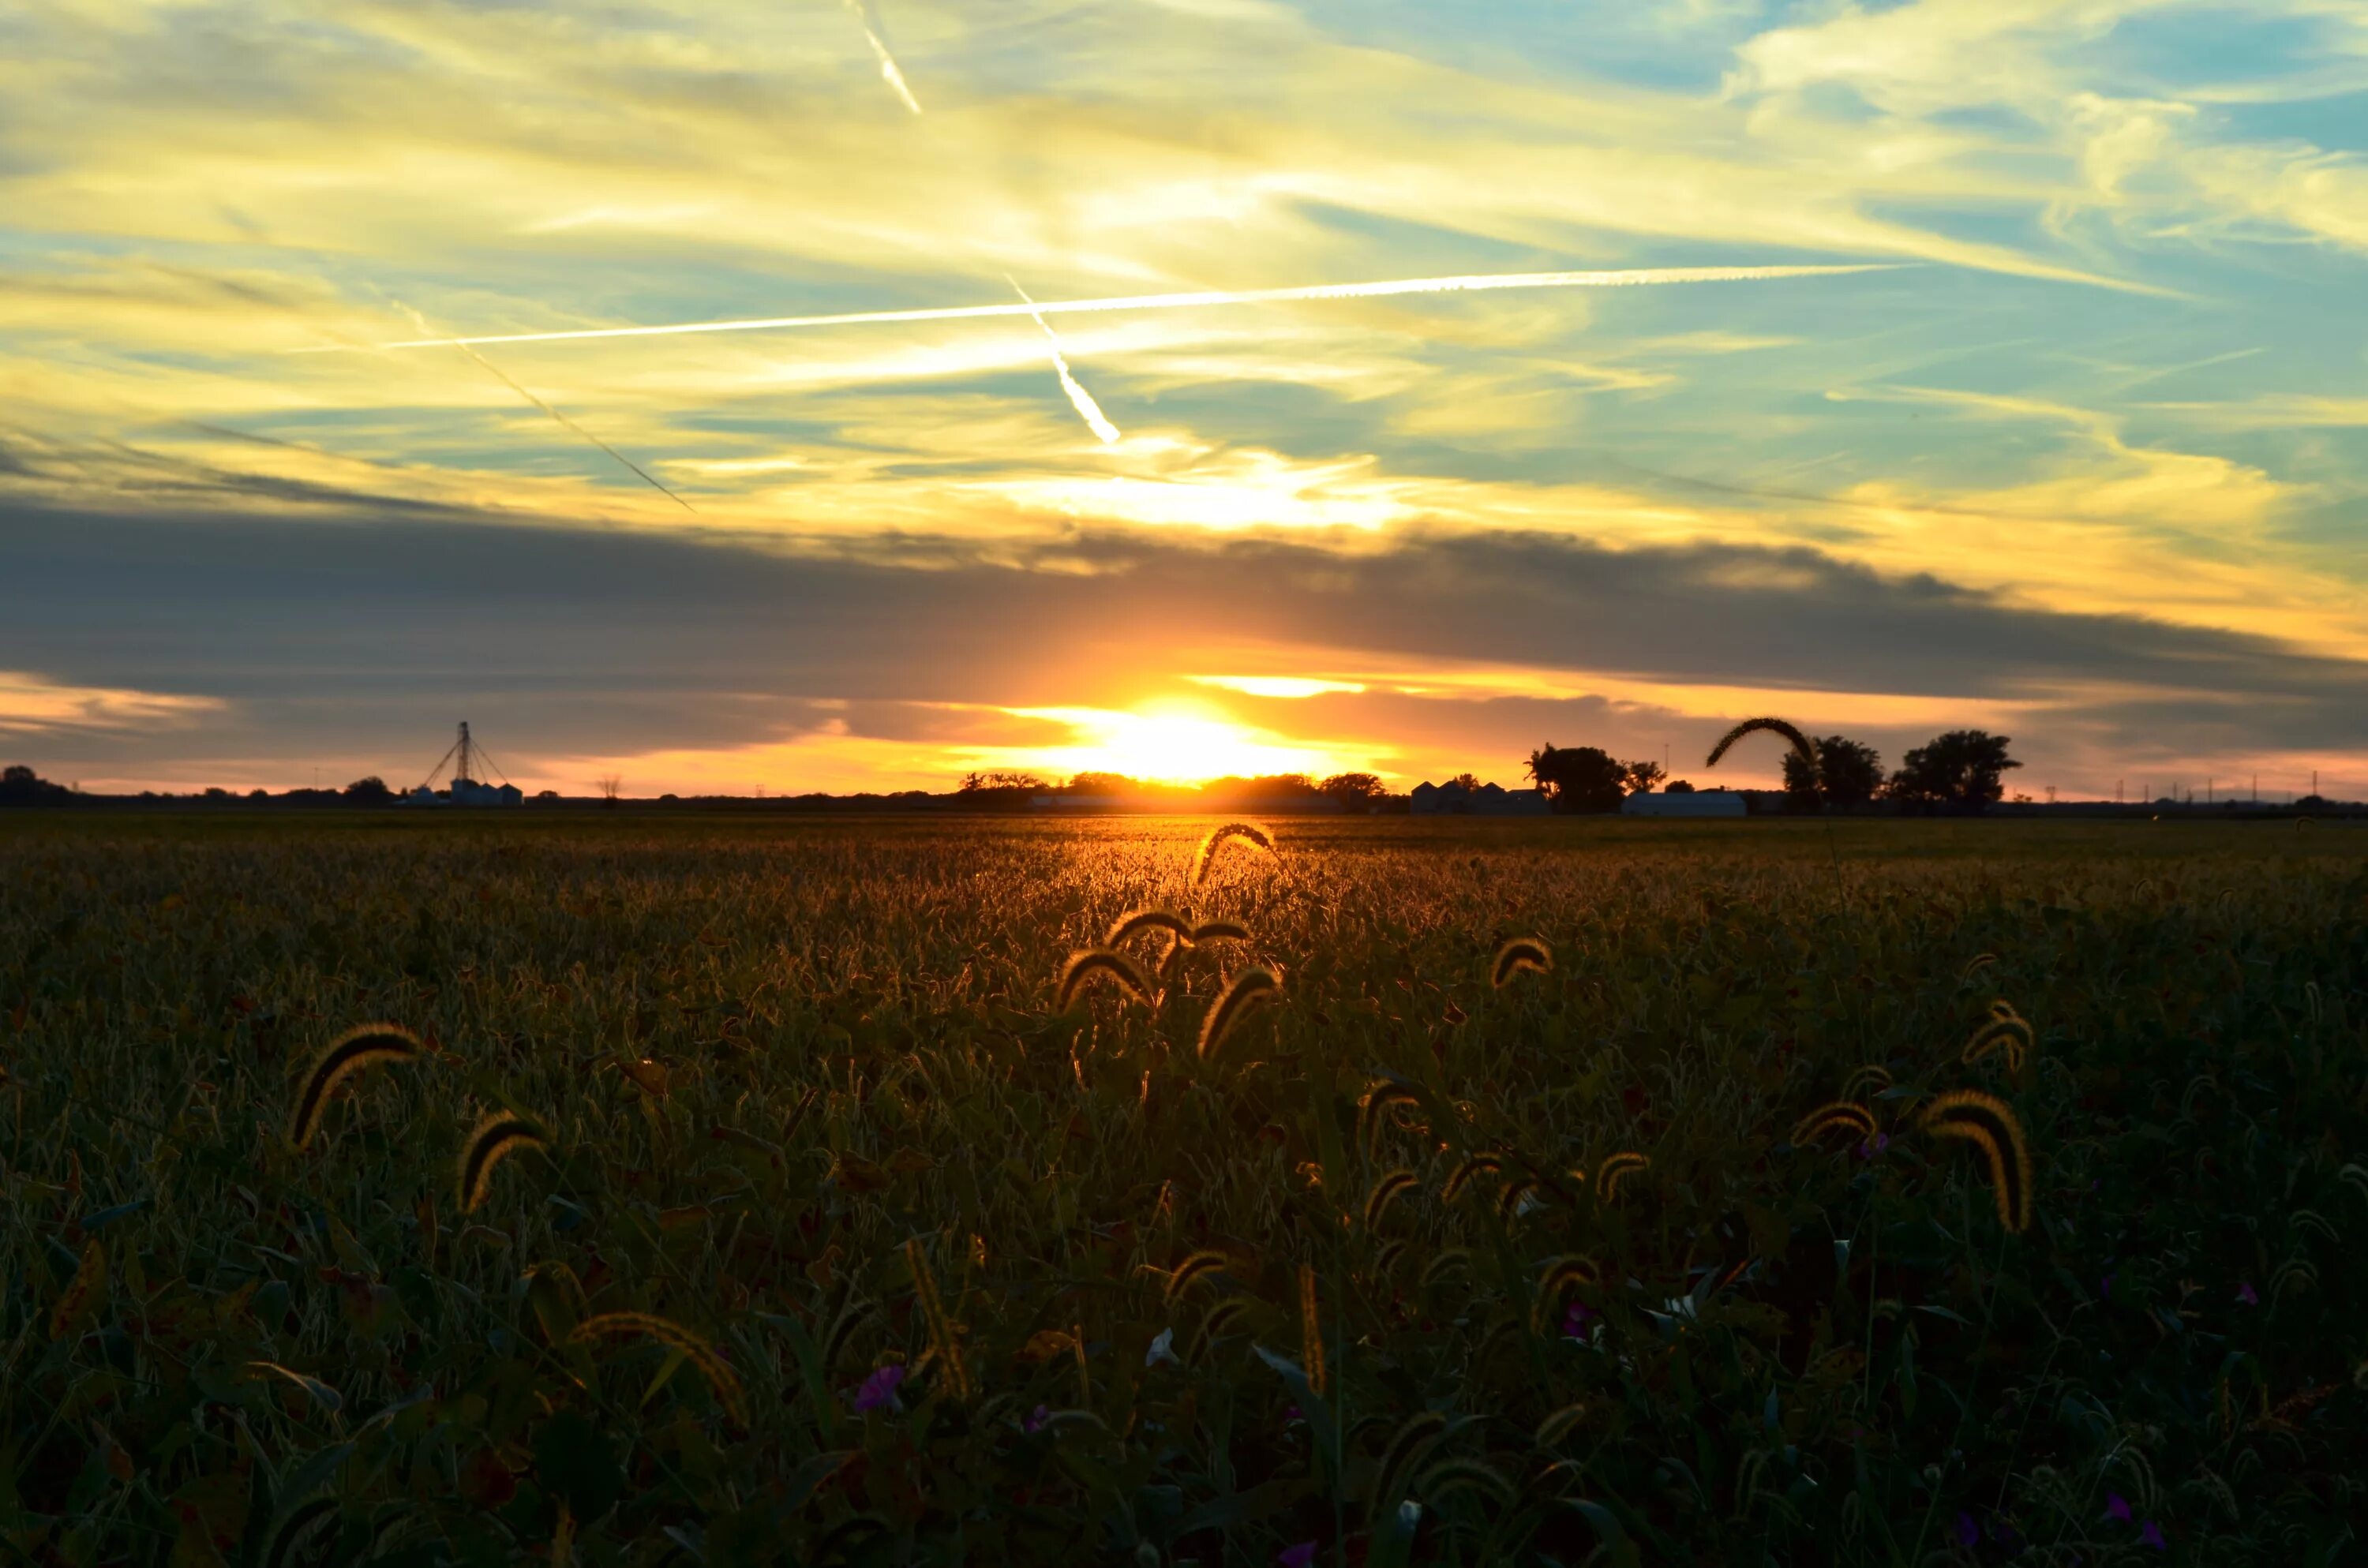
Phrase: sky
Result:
[1940,364]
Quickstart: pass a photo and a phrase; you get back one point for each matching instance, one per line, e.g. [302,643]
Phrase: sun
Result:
[1175,743]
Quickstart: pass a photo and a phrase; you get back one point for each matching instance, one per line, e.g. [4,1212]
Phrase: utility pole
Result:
[2256,789]
[2117,792]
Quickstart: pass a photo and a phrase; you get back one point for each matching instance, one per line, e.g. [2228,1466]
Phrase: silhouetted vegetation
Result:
[20,786]
[1959,771]
[1848,773]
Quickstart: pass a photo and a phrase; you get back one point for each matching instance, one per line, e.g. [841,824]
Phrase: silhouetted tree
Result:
[1642,776]
[1851,773]
[20,786]
[370,791]
[1960,770]
[1355,791]
[1678,787]
[1578,778]
[1091,783]
[973,782]
[1466,781]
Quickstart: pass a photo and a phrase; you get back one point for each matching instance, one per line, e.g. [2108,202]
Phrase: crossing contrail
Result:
[1079,397]
[867,15]
[498,372]
[1469,283]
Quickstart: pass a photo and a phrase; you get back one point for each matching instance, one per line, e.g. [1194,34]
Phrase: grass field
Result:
[931,1271]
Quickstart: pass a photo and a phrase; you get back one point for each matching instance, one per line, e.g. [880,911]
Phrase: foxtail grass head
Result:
[1801,745]
[1220,931]
[1556,1283]
[1243,832]
[1136,922]
[1393,1186]
[1616,1170]
[1990,1125]
[1488,1162]
[1251,987]
[1522,955]
[495,1139]
[721,1379]
[356,1050]
[2007,1030]
[1386,1101]
[1840,1116]
[1093,964]
[1196,1266]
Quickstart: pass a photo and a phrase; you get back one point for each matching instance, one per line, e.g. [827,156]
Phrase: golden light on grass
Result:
[1083,966]
[1250,987]
[1249,833]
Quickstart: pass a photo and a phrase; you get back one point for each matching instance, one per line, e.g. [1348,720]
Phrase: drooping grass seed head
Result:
[1871,1079]
[1220,931]
[1516,1196]
[1243,832]
[1799,743]
[1387,1256]
[1615,1171]
[1252,987]
[1522,955]
[1408,1449]
[1135,922]
[1386,1191]
[1838,1116]
[1555,1282]
[1488,1162]
[1990,1125]
[495,1139]
[1444,1262]
[1448,1476]
[356,1050]
[1559,1425]
[1086,965]
[1974,966]
[2006,1033]
[1195,1264]
[721,1379]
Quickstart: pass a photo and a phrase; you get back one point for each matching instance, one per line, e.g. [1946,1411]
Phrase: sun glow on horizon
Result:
[1173,744]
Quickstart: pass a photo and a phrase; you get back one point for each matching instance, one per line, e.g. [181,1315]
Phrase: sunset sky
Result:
[2078,451]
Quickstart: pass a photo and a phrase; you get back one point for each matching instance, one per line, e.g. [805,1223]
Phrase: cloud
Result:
[334,640]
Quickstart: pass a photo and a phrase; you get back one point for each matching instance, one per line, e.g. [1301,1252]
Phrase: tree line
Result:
[1962,770]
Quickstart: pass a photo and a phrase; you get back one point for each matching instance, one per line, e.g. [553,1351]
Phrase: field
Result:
[930,1270]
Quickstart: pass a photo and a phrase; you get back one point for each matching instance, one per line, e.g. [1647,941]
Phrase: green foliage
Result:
[816,1123]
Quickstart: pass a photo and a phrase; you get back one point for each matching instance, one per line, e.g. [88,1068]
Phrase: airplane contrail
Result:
[1079,397]
[647,478]
[1469,283]
[867,15]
